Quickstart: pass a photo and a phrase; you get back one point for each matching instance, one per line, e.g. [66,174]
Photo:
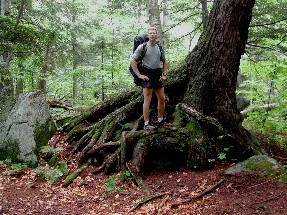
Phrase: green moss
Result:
[74,130]
[266,167]
[10,150]
[42,134]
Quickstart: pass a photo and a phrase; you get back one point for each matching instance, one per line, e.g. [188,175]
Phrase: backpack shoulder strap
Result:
[160,49]
[143,51]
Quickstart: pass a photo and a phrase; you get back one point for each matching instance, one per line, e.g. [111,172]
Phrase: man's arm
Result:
[136,71]
[134,67]
[164,68]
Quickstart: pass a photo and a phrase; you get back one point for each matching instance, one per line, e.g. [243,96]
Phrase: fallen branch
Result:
[271,198]
[174,205]
[161,204]
[146,200]
[58,104]
[264,107]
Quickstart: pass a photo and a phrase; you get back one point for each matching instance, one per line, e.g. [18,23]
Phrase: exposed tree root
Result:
[75,174]
[201,118]
[101,110]
[111,135]
[243,140]
[139,181]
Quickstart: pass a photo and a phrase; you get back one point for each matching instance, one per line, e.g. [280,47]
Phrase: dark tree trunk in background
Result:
[204,13]
[154,17]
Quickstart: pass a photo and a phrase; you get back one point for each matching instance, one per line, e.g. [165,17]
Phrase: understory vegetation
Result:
[79,51]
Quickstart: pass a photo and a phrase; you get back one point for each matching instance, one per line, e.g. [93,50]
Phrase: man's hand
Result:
[162,78]
[143,77]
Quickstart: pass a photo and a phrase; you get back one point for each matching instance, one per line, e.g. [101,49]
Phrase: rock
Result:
[262,164]
[27,127]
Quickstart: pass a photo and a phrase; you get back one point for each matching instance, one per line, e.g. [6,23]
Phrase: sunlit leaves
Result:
[266,84]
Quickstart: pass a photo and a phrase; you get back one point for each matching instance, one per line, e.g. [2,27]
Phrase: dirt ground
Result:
[244,193]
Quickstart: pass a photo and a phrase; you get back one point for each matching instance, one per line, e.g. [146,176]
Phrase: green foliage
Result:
[15,168]
[266,85]
[53,169]
[111,183]
[20,39]
[52,175]
[222,155]
[268,28]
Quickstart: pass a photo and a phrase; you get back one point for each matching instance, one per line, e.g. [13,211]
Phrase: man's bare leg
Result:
[161,101]
[147,92]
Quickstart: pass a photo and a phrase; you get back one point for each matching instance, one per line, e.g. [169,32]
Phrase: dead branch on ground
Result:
[146,200]
[207,191]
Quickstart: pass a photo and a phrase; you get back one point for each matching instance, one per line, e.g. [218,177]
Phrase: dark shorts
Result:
[154,76]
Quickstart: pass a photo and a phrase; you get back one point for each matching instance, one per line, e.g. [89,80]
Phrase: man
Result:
[151,76]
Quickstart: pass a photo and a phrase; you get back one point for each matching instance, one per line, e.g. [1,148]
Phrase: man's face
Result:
[152,35]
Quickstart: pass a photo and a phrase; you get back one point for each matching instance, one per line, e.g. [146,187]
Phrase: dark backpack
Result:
[141,39]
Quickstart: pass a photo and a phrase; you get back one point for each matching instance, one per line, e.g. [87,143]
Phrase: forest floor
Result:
[244,193]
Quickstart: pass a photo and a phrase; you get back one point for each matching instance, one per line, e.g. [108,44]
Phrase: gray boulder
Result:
[25,128]
[262,164]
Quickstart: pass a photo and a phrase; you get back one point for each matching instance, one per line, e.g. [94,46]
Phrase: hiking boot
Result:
[163,124]
[149,126]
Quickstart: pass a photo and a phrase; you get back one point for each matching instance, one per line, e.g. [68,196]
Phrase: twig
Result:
[264,182]
[146,200]
[269,199]
[31,184]
[160,205]
[138,180]
[174,205]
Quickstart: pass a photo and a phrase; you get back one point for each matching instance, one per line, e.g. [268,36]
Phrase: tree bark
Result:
[214,63]
[213,67]
[204,13]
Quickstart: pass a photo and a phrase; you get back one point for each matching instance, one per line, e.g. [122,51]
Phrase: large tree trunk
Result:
[213,65]
[213,68]
[201,108]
